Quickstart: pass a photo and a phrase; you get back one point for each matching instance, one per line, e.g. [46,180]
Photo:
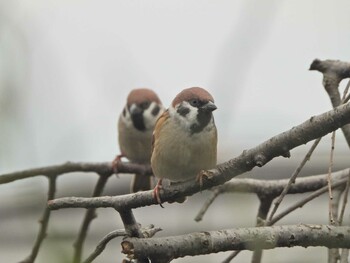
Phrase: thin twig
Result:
[293,177]
[102,244]
[329,179]
[344,255]
[347,98]
[149,231]
[207,203]
[90,214]
[44,222]
[346,192]
[302,202]
[231,256]
[345,201]
[333,253]
[271,187]
[346,90]
[264,207]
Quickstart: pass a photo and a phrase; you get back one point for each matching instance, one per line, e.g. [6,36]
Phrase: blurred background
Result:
[66,68]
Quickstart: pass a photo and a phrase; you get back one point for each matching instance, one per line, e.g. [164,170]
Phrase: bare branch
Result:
[201,243]
[44,221]
[329,180]
[103,242]
[333,253]
[149,231]
[293,177]
[70,167]
[333,72]
[332,67]
[314,128]
[345,93]
[274,187]
[345,201]
[231,256]
[264,207]
[140,199]
[215,193]
[344,255]
[89,216]
[302,202]
[132,228]
[271,188]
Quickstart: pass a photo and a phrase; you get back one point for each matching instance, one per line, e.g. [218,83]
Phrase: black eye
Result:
[144,105]
[194,102]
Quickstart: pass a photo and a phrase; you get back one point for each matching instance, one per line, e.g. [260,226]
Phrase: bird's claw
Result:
[156,191]
[202,174]
[115,162]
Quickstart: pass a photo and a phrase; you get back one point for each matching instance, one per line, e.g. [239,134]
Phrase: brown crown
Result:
[192,93]
[140,95]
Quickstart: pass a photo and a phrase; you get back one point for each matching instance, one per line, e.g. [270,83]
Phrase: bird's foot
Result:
[200,176]
[115,162]
[156,191]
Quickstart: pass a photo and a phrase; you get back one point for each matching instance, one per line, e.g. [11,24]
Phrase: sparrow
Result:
[135,127]
[184,138]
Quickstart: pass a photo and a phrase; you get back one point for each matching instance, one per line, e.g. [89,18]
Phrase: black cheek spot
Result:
[124,112]
[155,110]
[183,111]
[203,119]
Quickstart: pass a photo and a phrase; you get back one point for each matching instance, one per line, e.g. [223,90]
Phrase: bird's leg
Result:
[115,162]
[156,190]
[202,174]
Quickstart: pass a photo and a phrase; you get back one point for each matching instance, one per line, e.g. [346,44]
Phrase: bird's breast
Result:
[179,155]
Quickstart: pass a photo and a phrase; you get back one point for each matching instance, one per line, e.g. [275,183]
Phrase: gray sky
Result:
[68,66]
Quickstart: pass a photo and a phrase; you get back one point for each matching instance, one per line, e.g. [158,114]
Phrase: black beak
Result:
[210,106]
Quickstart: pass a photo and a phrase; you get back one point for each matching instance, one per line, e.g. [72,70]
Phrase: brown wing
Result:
[160,121]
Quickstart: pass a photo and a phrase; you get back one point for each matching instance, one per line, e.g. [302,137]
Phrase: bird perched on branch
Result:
[184,138]
[135,127]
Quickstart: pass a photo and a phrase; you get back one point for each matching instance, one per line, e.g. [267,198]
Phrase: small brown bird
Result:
[135,127]
[185,138]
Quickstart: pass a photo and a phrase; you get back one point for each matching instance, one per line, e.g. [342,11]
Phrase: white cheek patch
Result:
[126,118]
[149,118]
[190,118]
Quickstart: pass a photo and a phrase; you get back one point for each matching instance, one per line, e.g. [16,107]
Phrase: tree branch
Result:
[132,228]
[70,167]
[333,72]
[293,177]
[333,253]
[44,222]
[89,216]
[264,207]
[302,202]
[201,243]
[314,128]
[148,232]
[272,188]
